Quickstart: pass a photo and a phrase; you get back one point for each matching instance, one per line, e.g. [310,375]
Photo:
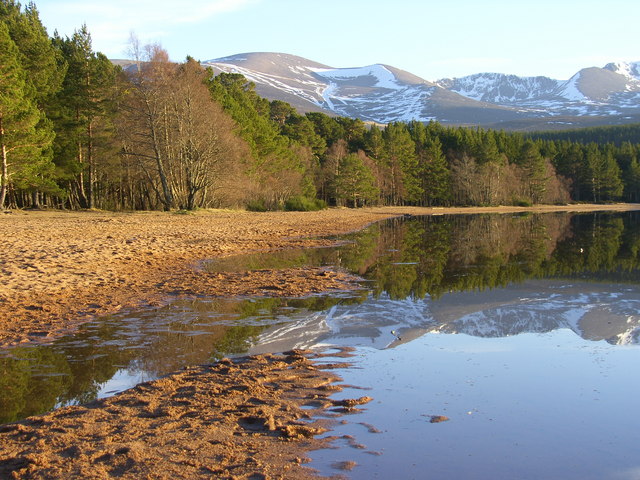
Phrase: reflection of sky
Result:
[548,405]
[121,381]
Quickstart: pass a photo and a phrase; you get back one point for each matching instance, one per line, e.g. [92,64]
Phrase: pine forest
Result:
[79,132]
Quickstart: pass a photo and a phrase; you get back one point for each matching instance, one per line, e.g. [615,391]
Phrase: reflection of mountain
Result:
[368,324]
[593,311]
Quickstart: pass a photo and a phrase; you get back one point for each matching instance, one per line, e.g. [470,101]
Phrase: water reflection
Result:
[543,272]
[531,406]
[117,352]
[439,254]
[592,311]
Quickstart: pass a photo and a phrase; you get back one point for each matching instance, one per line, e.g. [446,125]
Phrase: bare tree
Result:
[182,139]
[145,124]
[206,150]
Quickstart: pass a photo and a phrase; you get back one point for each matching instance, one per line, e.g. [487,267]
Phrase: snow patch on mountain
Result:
[630,70]
[500,88]
[372,93]
[381,76]
[570,90]
[305,86]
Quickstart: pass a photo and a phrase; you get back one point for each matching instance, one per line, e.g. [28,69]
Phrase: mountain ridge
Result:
[382,93]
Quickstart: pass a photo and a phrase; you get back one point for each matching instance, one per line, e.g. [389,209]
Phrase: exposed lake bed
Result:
[510,337]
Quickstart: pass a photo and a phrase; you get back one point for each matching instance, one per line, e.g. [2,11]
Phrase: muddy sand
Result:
[60,269]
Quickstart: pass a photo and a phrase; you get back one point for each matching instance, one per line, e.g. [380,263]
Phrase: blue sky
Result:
[432,39]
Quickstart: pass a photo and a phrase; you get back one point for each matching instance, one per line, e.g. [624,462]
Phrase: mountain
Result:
[382,93]
[375,93]
[612,91]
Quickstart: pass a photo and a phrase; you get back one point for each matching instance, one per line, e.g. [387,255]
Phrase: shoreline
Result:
[249,417]
[61,269]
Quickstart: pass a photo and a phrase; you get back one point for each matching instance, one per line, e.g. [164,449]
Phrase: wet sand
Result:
[60,269]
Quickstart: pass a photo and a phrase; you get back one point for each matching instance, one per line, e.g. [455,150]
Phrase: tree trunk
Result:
[167,193]
[92,167]
[35,201]
[82,196]
[4,174]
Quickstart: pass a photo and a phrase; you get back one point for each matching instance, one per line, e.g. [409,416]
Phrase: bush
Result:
[257,205]
[518,202]
[304,204]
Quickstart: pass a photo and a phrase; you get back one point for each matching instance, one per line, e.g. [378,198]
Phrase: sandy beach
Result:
[60,269]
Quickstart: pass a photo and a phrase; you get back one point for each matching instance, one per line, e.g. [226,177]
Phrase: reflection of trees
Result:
[434,255]
[235,341]
[31,380]
[602,243]
[34,380]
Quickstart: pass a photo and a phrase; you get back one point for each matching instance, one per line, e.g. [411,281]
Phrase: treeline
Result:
[78,132]
[616,134]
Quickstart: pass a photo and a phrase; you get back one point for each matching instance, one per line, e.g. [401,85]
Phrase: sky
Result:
[431,39]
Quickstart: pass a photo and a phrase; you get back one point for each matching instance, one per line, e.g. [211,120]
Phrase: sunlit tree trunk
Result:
[4,173]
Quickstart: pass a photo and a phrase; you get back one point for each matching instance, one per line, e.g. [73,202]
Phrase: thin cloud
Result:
[148,12]
[110,23]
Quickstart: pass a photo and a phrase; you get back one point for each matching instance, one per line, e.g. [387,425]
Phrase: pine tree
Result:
[435,174]
[569,163]
[83,111]
[533,165]
[400,158]
[610,183]
[21,144]
[280,111]
[354,182]
[37,55]
[354,130]
[300,129]
[327,127]
[632,181]
[374,143]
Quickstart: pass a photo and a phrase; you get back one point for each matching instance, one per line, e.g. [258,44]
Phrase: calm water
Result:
[522,330]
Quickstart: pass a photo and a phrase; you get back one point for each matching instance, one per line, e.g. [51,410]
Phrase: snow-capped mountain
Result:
[375,93]
[381,93]
[609,92]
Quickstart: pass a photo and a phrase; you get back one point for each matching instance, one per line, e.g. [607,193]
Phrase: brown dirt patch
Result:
[60,269]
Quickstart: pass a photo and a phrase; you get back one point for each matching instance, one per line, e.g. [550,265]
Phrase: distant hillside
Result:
[382,93]
[376,93]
